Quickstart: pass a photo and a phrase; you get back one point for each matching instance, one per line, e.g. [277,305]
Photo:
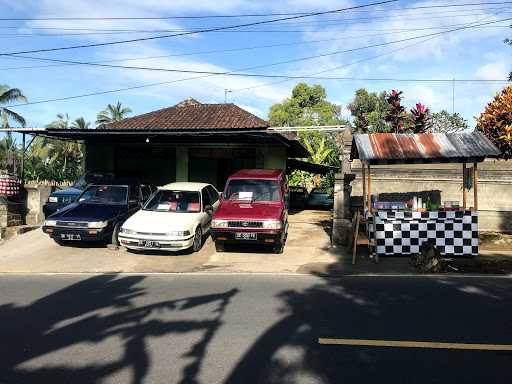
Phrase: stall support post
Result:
[475,186]
[363,170]
[369,190]
[464,190]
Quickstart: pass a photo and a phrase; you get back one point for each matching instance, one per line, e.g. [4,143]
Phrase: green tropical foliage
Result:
[112,113]
[368,110]
[7,116]
[448,122]
[56,160]
[308,106]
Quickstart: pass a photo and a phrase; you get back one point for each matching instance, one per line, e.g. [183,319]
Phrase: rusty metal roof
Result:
[424,147]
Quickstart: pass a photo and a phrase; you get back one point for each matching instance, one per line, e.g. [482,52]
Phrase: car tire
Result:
[115,233]
[198,240]
[219,246]
[278,247]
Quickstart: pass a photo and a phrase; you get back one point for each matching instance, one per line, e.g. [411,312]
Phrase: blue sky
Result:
[469,54]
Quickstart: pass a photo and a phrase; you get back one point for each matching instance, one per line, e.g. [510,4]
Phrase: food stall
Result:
[400,227]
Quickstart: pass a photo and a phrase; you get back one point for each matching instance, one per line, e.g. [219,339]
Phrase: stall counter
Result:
[402,232]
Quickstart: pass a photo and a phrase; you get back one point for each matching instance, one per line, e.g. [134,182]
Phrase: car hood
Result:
[161,222]
[67,191]
[237,210]
[86,212]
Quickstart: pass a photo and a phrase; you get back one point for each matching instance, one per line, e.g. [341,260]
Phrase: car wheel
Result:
[219,246]
[198,239]
[278,247]
[115,233]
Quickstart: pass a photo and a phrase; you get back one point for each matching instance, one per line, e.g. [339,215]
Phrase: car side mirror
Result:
[208,209]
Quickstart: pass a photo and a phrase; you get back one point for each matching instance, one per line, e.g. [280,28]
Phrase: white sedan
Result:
[176,217]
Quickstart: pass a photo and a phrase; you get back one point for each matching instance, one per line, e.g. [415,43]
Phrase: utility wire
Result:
[70,63]
[326,22]
[198,31]
[238,15]
[205,74]
[157,69]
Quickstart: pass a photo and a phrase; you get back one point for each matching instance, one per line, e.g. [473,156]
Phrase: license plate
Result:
[70,236]
[149,244]
[246,236]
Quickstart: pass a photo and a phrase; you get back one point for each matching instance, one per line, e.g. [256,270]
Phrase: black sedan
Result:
[97,215]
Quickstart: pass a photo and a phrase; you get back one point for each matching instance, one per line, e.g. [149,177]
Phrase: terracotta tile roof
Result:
[189,115]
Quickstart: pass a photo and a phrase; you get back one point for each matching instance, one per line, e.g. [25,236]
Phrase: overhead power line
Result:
[205,74]
[199,31]
[158,69]
[72,63]
[233,15]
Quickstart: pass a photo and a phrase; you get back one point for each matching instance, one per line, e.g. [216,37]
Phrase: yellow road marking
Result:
[415,344]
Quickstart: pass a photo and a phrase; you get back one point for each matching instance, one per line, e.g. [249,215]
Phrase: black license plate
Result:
[70,236]
[149,244]
[246,236]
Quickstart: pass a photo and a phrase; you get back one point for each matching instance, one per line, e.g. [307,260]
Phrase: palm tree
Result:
[112,113]
[80,123]
[60,151]
[8,95]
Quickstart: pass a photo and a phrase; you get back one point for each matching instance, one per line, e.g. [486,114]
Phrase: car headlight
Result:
[50,223]
[53,199]
[97,224]
[216,223]
[272,224]
[178,233]
[128,231]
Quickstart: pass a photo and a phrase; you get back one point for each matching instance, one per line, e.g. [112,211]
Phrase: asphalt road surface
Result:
[252,329]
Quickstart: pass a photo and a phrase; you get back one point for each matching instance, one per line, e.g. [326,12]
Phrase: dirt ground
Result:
[308,242]
[308,250]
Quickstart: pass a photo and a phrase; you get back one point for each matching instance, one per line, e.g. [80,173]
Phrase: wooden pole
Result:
[363,170]
[369,190]
[464,190]
[475,186]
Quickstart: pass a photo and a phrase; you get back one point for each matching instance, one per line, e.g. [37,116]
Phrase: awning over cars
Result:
[320,169]
[126,136]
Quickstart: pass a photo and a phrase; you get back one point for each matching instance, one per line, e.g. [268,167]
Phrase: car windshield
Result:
[105,194]
[174,201]
[253,190]
[321,191]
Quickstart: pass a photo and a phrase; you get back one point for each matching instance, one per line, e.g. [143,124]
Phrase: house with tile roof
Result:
[189,141]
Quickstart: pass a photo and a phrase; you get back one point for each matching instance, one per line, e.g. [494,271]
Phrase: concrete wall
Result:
[37,195]
[274,157]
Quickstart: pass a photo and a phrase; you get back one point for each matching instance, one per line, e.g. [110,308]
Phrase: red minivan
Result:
[253,209]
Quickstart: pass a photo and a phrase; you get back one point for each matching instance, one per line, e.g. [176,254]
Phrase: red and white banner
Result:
[9,185]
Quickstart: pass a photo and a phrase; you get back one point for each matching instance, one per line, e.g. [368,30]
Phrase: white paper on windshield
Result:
[245,195]
[163,207]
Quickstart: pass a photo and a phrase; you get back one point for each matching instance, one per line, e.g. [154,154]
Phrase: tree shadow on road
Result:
[421,309]
[91,311]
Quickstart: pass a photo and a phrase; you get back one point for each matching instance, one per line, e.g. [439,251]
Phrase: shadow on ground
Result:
[68,317]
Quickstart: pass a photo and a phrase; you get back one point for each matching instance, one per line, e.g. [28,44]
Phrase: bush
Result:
[496,122]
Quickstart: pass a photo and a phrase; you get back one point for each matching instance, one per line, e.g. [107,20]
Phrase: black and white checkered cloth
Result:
[401,232]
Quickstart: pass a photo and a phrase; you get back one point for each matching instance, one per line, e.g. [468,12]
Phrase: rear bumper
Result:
[85,234]
[267,237]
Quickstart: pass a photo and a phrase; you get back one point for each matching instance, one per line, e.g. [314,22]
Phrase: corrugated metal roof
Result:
[423,147]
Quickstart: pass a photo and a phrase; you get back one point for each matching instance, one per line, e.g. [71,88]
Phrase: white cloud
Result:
[494,70]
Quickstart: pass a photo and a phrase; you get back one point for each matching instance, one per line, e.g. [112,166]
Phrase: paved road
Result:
[250,329]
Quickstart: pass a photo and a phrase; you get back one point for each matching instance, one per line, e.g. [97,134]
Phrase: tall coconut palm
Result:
[60,152]
[8,95]
[112,113]
[80,123]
